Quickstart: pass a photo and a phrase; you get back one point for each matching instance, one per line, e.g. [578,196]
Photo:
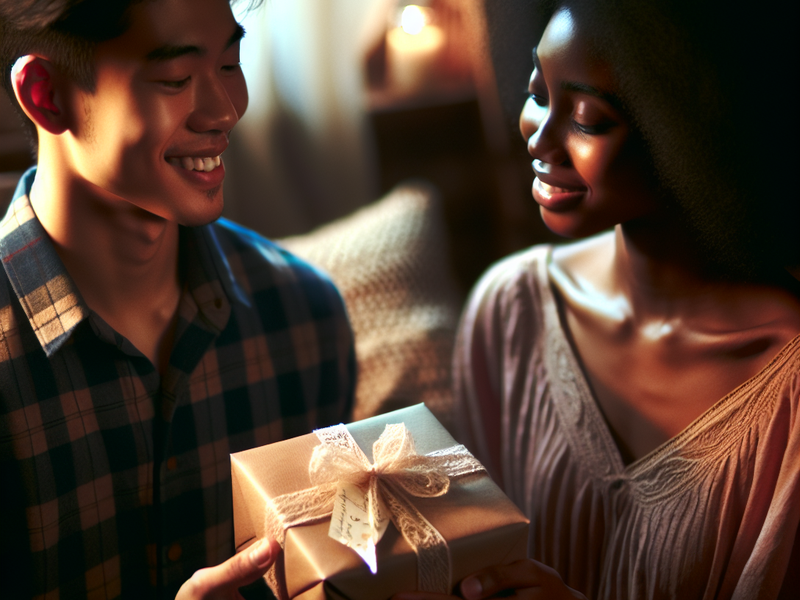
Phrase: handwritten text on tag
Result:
[351,524]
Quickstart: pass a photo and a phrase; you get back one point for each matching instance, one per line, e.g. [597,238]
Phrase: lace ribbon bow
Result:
[397,474]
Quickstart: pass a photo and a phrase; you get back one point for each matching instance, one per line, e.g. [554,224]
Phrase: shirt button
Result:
[172,463]
[174,552]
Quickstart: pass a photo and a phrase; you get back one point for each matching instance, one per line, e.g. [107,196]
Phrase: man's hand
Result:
[522,579]
[223,581]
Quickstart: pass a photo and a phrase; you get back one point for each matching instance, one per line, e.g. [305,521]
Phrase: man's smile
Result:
[190,163]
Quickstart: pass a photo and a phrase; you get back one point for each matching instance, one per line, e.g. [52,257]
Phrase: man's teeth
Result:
[196,164]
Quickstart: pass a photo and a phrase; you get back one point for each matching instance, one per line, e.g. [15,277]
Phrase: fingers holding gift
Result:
[224,580]
[521,579]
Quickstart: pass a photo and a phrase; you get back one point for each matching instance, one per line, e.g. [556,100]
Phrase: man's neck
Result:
[123,259]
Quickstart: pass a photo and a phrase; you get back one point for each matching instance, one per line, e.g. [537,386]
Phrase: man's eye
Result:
[177,84]
[232,68]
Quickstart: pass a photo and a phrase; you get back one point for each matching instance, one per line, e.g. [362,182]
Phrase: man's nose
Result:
[215,109]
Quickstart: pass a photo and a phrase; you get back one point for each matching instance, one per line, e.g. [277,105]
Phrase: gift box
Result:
[478,525]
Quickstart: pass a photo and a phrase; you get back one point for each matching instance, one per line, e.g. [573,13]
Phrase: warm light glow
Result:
[413,58]
[430,39]
[413,46]
[413,19]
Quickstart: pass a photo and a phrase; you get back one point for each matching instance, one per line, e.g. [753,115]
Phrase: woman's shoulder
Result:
[526,276]
[512,278]
[513,298]
[519,289]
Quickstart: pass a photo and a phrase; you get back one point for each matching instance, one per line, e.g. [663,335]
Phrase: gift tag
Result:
[352,525]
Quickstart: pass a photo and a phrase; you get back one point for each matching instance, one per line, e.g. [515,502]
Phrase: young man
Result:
[141,342]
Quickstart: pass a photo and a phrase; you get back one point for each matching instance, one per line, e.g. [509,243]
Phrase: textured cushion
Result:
[390,262]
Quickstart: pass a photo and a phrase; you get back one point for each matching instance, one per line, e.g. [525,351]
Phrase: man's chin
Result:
[207,212]
[199,220]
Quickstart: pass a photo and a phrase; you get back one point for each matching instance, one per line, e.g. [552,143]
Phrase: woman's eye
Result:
[597,129]
[232,68]
[587,119]
[176,84]
[538,100]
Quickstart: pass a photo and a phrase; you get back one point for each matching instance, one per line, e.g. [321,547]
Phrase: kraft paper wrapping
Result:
[481,525]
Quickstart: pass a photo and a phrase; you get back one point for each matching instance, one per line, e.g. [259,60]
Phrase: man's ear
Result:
[35,85]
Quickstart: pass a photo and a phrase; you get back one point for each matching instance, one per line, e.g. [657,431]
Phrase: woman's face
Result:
[591,168]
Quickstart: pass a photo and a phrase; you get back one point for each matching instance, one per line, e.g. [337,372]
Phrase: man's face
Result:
[168,93]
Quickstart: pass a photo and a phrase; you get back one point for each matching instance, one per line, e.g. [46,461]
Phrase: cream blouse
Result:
[712,513]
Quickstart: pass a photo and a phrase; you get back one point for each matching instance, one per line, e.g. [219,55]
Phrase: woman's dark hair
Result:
[711,86]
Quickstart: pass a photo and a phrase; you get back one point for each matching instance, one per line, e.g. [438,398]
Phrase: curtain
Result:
[302,155]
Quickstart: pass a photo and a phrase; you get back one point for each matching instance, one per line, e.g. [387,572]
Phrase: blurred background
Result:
[347,99]
[350,99]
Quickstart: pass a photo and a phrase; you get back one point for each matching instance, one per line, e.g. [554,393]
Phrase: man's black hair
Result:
[66,31]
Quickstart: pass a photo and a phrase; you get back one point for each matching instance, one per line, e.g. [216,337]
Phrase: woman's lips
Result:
[554,196]
[556,199]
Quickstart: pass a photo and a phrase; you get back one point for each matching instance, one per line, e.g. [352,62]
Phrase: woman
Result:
[636,393]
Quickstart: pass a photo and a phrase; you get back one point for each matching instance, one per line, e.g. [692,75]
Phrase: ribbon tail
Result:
[434,571]
[297,508]
[289,510]
[456,461]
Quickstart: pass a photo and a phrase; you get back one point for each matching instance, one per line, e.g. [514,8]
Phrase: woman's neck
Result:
[660,270]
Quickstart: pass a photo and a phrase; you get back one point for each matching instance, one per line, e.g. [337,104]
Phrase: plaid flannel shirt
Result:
[91,433]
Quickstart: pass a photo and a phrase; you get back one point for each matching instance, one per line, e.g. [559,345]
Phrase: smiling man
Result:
[141,340]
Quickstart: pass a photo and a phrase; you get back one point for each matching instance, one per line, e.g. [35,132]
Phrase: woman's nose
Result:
[530,118]
[538,128]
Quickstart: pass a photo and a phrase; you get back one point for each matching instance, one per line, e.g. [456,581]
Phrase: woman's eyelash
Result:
[592,129]
[582,129]
[538,100]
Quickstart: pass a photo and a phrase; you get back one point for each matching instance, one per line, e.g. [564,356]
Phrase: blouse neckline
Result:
[586,426]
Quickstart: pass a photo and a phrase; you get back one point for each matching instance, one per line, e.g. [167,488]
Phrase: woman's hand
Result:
[223,581]
[522,579]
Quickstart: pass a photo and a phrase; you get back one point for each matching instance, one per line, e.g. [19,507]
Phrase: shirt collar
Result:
[45,290]
[49,296]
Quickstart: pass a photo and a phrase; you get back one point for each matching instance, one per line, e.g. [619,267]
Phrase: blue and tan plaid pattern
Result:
[115,480]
